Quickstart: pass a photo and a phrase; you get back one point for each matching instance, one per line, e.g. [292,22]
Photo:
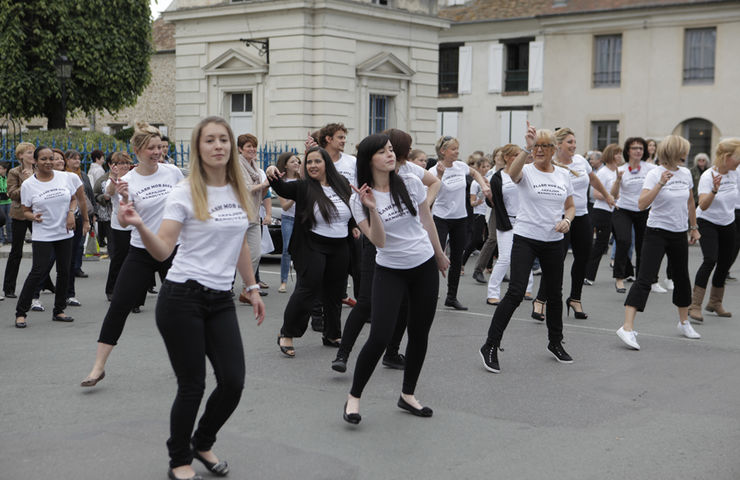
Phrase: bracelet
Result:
[694,227]
[252,287]
[567,220]
[661,184]
[715,192]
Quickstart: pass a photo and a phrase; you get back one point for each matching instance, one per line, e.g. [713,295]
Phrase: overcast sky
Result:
[158,6]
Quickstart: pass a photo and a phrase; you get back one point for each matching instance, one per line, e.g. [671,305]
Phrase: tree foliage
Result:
[108,42]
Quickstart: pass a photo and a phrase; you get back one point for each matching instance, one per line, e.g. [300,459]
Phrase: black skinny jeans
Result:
[322,275]
[579,237]
[197,322]
[477,237]
[716,243]
[130,288]
[602,223]
[360,313]
[421,284]
[456,231]
[523,252]
[42,252]
[736,247]
[659,243]
[623,221]
[118,244]
[16,253]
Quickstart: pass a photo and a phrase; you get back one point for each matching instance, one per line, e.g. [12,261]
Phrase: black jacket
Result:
[502,216]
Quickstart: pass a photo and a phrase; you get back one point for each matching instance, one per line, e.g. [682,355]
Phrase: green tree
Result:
[108,42]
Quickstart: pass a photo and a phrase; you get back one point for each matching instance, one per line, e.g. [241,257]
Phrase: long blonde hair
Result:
[197,177]
[142,134]
[560,135]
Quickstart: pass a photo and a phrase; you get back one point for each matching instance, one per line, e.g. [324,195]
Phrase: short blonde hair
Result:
[562,133]
[545,134]
[444,143]
[672,150]
[612,153]
[510,149]
[22,148]
[475,158]
[726,148]
[143,133]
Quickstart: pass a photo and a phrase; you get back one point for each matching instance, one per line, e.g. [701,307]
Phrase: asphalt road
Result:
[669,411]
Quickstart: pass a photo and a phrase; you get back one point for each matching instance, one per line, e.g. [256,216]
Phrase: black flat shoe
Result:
[59,318]
[20,324]
[328,342]
[288,351]
[419,412]
[221,468]
[571,303]
[454,303]
[340,363]
[537,315]
[353,418]
[619,290]
[171,476]
[10,295]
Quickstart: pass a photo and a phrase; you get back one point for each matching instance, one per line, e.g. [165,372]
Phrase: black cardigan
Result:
[502,216]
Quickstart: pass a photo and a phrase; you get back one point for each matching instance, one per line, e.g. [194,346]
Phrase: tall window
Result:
[517,66]
[607,60]
[241,114]
[449,59]
[698,55]
[604,133]
[379,106]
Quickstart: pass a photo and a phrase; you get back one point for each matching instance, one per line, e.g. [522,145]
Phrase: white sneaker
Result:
[656,288]
[629,338]
[668,284]
[687,330]
[36,305]
[73,302]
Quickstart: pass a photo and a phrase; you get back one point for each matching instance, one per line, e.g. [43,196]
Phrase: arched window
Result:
[698,131]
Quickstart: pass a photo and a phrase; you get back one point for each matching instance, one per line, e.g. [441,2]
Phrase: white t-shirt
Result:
[542,203]
[607,178]
[407,244]
[450,202]
[337,227]
[347,167]
[95,172]
[670,210]
[722,210]
[149,194]
[51,199]
[580,169]
[291,211]
[631,185]
[510,192]
[476,190]
[410,168]
[115,201]
[208,249]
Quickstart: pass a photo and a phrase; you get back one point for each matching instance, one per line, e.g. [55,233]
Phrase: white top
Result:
[607,177]
[722,210]
[542,203]
[51,199]
[410,168]
[149,194]
[670,210]
[580,168]
[407,244]
[631,185]
[476,190]
[347,167]
[337,227]
[291,211]
[510,192]
[450,202]
[208,249]
[95,172]
[115,201]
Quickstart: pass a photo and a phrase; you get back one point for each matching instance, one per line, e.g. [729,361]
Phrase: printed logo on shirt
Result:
[226,212]
[53,193]
[390,212]
[453,181]
[550,190]
[153,191]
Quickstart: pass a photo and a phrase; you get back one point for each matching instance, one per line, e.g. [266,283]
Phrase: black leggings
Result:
[421,284]
[323,274]
[602,223]
[579,237]
[657,244]
[456,230]
[477,238]
[360,313]
[130,288]
[197,322]
[16,254]
[736,247]
[523,252]
[42,252]
[716,246]
[623,221]
[118,244]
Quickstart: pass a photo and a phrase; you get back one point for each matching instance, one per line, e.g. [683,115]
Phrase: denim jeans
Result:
[286,228]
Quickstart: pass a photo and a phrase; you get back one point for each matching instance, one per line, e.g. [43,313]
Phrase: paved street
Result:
[669,411]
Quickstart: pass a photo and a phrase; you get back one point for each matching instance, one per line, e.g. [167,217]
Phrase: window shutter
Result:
[495,67]
[465,70]
[536,65]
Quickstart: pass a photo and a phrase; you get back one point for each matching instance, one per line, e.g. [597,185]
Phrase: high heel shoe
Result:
[221,468]
[579,315]
[537,315]
[353,418]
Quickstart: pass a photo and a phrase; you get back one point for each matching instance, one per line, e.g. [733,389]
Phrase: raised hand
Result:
[716,180]
[127,215]
[366,195]
[273,173]
[665,176]
[530,136]
[122,189]
[440,169]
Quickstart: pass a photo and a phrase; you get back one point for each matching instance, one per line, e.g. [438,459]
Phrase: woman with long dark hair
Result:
[318,246]
[667,191]
[392,213]
[290,165]
[716,220]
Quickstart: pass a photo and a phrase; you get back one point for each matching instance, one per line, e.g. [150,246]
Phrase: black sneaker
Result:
[561,355]
[340,363]
[478,277]
[394,360]
[489,355]
[454,303]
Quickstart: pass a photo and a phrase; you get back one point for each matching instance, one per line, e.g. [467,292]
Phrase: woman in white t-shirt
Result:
[147,186]
[392,213]
[449,213]
[546,211]
[207,215]
[46,198]
[667,191]
[290,165]
[478,227]
[580,235]
[716,220]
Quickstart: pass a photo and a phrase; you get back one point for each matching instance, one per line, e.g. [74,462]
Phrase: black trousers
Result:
[523,252]
[479,233]
[656,244]
[197,322]
[323,274]
[360,313]
[736,248]
[579,237]
[717,243]
[20,227]
[118,244]
[76,260]
[42,252]
[602,223]
[103,232]
[623,221]
[421,285]
[130,288]
[456,231]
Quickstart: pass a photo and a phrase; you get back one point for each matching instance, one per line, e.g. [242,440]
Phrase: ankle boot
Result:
[696,300]
[715,302]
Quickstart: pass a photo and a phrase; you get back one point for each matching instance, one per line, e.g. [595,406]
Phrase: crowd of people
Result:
[390,217]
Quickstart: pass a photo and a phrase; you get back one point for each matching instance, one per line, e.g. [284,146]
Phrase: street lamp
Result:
[64,72]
